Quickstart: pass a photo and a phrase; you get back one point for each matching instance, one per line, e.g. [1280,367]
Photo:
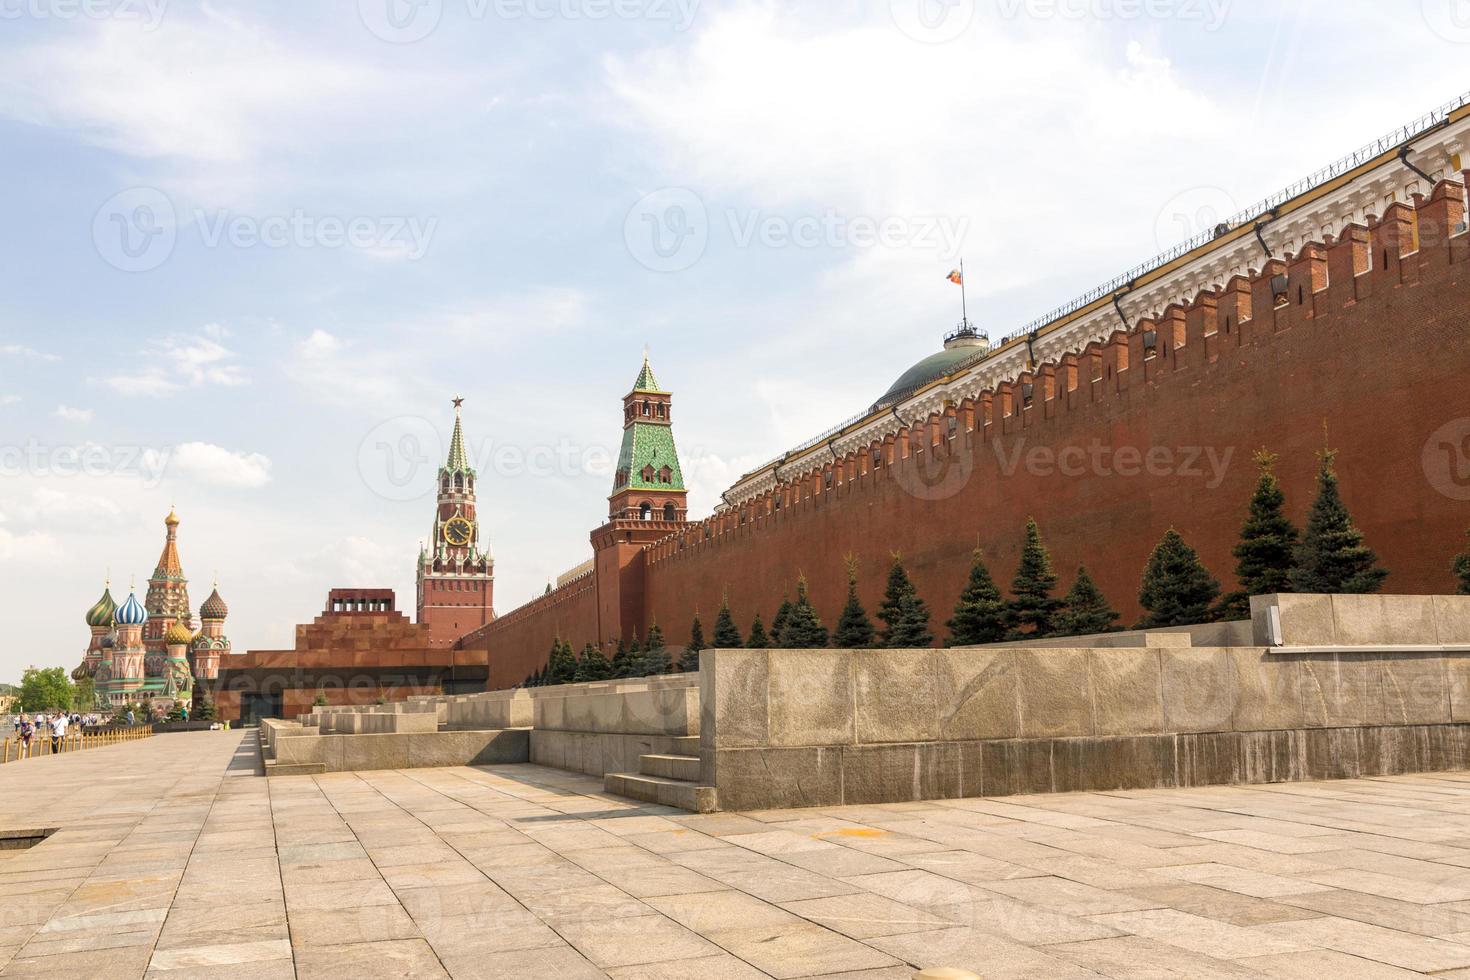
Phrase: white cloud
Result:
[186,362]
[118,87]
[353,561]
[9,399]
[230,131]
[208,463]
[29,353]
[30,547]
[69,512]
[338,372]
[73,414]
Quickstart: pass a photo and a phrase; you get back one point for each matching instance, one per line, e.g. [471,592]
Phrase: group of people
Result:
[53,725]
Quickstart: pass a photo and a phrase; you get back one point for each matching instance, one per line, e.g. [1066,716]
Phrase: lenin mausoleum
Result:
[1335,311]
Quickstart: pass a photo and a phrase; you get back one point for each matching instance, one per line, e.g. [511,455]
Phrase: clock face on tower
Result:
[458,531]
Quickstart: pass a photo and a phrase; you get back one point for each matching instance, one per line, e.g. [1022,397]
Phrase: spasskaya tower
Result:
[456,578]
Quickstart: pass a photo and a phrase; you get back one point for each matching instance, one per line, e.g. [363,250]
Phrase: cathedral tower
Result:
[456,578]
[99,620]
[211,644]
[167,600]
[125,679]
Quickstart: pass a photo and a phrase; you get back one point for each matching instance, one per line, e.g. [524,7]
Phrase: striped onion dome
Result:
[178,633]
[101,613]
[131,612]
[214,607]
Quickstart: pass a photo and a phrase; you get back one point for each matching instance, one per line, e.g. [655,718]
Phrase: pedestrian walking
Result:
[58,732]
[26,733]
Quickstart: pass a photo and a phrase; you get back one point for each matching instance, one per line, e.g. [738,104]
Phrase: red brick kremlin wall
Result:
[519,642]
[1373,341]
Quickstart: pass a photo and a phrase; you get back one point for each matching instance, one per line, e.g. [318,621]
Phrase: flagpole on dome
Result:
[957,276]
[964,303]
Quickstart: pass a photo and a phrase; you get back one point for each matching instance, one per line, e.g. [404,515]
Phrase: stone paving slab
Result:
[175,861]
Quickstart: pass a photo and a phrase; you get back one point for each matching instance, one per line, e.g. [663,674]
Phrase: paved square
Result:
[175,861]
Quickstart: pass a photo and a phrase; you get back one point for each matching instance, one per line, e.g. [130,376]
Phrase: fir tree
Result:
[561,666]
[207,710]
[1267,543]
[1085,610]
[854,629]
[1177,589]
[980,615]
[1332,557]
[593,666]
[727,635]
[904,615]
[1032,611]
[622,659]
[778,622]
[758,638]
[689,662]
[803,629]
[655,659]
[1462,569]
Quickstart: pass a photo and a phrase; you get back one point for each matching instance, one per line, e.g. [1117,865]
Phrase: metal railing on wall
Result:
[15,749]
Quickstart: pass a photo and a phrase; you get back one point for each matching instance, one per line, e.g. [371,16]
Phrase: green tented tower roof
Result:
[645,444]
[646,381]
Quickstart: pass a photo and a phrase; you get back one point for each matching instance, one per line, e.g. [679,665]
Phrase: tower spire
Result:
[646,381]
[458,459]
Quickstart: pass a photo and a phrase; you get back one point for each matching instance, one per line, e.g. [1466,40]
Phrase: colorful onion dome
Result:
[101,613]
[131,612]
[178,633]
[214,607]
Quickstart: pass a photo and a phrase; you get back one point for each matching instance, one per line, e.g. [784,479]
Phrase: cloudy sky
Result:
[254,246]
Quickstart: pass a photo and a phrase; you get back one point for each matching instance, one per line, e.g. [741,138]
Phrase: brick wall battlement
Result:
[1409,245]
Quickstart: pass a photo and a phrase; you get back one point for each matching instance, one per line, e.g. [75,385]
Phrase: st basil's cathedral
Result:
[149,652]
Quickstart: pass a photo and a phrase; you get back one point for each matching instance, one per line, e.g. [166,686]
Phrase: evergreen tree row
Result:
[1272,556]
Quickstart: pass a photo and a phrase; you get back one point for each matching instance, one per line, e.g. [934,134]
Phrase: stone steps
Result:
[659,789]
[685,767]
[274,768]
[671,779]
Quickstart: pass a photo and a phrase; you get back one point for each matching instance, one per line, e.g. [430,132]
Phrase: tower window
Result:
[645,511]
[670,514]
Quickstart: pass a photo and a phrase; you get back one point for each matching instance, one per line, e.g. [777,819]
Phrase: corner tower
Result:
[648,502]
[456,578]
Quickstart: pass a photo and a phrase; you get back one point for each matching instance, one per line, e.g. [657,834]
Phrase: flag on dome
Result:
[957,277]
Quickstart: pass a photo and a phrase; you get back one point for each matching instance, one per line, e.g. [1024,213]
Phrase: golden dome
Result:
[179,632]
[172,520]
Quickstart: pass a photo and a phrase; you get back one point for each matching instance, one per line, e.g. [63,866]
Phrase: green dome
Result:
[101,613]
[932,368]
